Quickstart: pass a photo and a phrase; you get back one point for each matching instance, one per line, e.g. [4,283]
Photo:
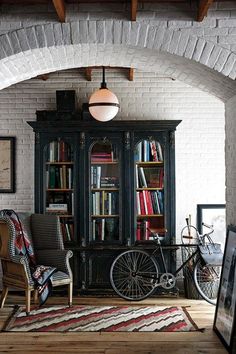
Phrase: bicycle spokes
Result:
[133,275]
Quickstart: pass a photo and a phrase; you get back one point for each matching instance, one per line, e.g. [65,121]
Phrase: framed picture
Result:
[212,214]
[224,322]
[7,164]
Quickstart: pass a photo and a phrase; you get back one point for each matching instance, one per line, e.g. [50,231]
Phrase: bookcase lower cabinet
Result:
[112,185]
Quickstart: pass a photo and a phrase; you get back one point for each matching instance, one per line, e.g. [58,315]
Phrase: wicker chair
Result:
[47,241]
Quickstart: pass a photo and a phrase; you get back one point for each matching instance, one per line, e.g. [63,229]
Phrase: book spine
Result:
[145,203]
[138,203]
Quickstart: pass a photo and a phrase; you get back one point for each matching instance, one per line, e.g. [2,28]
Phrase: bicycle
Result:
[135,274]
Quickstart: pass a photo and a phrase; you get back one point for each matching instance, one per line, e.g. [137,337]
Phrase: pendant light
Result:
[103,104]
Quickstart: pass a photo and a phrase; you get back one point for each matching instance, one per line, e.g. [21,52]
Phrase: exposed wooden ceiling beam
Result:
[203,7]
[43,77]
[88,71]
[88,74]
[134,6]
[131,74]
[60,9]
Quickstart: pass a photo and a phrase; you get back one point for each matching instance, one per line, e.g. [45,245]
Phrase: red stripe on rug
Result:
[141,317]
[174,326]
[90,316]
[51,313]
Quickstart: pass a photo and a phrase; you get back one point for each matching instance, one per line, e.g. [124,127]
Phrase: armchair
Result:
[45,234]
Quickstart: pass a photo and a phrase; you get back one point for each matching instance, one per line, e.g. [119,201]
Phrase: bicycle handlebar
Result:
[207,225]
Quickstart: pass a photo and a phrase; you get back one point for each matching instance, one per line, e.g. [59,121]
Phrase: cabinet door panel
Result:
[150,163]
[98,269]
[57,180]
[104,189]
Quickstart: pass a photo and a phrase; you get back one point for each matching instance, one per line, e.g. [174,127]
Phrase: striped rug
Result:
[102,319]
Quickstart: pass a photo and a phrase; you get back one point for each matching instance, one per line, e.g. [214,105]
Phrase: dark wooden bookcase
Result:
[110,183]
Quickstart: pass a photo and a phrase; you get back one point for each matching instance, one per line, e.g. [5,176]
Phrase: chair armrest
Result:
[55,258]
[23,260]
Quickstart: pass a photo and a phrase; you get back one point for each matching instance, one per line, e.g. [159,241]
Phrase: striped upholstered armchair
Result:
[47,241]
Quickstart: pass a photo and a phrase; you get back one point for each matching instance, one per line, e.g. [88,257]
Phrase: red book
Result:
[142,207]
[149,202]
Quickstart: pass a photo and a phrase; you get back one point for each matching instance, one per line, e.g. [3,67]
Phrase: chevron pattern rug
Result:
[102,319]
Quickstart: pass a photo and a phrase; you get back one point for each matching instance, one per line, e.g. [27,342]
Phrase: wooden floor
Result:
[116,343]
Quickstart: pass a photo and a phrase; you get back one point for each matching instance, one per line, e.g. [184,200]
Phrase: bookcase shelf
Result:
[149,189]
[104,163]
[149,163]
[98,198]
[59,163]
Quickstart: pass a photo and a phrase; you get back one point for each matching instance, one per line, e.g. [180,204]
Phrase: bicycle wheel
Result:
[190,235]
[207,281]
[133,275]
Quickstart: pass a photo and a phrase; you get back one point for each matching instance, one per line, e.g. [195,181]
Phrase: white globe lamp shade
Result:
[103,105]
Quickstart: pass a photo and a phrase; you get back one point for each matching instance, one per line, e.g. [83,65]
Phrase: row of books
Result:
[105,229]
[60,203]
[59,151]
[149,177]
[67,229]
[59,177]
[99,181]
[104,153]
[150,202]
[142,230]
[105,203]
[148,150]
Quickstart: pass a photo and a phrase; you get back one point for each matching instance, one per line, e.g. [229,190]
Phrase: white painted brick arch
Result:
[27,52]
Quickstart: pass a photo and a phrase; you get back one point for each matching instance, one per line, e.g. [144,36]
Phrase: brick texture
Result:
[150,96]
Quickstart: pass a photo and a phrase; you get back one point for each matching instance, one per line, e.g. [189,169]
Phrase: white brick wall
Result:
[230,155]
[199,138]
[218,26]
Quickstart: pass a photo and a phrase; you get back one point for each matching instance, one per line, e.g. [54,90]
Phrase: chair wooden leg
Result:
[35,296]
[70,293]
[3,296]
[28,296]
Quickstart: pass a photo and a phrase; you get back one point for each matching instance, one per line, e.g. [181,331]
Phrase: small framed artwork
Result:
[224,322]
[212,214]
[7,164]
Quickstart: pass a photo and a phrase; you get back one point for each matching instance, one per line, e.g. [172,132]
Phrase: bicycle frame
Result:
[159,249]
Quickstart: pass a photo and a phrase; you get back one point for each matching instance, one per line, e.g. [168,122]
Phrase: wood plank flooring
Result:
[116,343]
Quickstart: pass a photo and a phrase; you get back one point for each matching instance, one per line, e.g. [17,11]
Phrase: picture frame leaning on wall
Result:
[225,315]
[212,214]
[7,164]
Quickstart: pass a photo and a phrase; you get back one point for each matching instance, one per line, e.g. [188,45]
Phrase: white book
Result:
[138,204]
[70,177]
[99,170]
[143,178]
[145,202]
[58,206]
[103,230]
[97,207]
[159,150]
[109,204]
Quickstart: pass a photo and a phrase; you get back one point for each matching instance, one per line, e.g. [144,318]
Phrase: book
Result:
[142,177]
[58,206]
[153,150]
[159,151]
[149,202]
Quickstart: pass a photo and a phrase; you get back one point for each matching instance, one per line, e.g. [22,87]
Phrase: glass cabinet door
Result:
[59,186]
[104,192]
[149,189]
